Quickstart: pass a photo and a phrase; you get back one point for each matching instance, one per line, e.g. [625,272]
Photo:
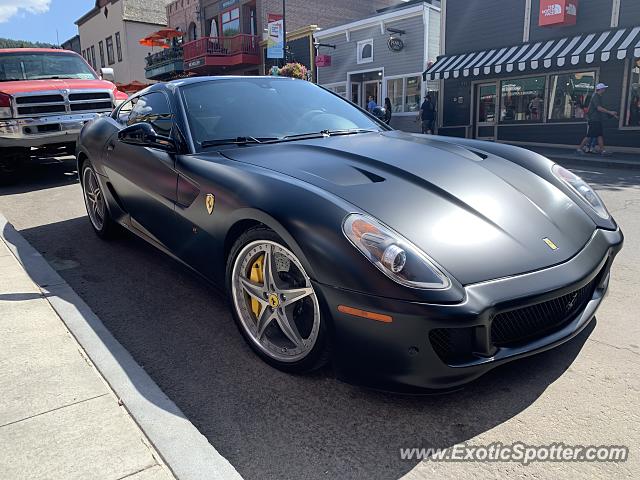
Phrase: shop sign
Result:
[275,41]
[558,12]
[195,63]
[395,44]
[323,61]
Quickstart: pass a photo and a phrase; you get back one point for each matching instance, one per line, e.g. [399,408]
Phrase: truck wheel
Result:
[12,161]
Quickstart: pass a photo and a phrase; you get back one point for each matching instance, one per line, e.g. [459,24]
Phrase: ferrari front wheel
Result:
[275,304]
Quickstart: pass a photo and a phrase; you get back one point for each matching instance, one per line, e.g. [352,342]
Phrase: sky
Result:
[38,20]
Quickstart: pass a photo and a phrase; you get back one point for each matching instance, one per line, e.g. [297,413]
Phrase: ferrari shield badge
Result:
[550,244]
[210,202]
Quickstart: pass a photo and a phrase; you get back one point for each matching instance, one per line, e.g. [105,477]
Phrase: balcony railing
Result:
[241,44]
[173,54]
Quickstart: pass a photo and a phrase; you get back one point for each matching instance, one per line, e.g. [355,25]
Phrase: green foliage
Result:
[9,43]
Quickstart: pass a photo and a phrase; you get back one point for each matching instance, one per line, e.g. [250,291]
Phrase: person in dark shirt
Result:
[596,115]
[427,115]
[387,111]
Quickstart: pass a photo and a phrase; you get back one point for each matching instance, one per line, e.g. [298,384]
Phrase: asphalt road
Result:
[276,426]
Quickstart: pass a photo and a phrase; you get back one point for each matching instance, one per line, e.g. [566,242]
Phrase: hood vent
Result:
[370,175]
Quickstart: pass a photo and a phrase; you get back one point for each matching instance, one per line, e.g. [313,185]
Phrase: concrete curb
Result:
[183,448]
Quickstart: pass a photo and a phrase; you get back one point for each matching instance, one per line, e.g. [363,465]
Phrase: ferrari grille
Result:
[515,326]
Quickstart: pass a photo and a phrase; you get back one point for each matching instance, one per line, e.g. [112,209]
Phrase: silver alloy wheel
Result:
[93,198]
[283,320]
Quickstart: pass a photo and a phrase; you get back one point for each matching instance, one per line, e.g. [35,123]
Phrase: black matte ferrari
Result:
[410,262]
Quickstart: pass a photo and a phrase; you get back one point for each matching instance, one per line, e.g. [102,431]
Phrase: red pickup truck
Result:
[46,96]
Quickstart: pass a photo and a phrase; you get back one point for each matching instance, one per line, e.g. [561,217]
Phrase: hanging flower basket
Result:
[294,70]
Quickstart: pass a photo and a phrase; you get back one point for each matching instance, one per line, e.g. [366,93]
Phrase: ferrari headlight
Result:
[582,188]
[394,255]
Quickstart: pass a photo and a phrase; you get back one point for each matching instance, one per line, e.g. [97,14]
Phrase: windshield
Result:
[267,108]
[39,66]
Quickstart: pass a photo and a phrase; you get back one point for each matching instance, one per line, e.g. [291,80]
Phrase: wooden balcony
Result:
[165,64]
[208,54]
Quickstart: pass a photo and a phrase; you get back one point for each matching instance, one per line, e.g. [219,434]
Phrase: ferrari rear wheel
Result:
[275,304]
[95,202]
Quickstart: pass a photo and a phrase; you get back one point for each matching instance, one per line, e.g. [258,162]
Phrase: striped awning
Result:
[587,48]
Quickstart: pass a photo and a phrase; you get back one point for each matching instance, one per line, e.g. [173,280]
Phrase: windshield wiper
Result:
[286,138]
[326,133]
[235,141]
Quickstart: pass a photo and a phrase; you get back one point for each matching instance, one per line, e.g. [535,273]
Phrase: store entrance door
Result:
[355,92]
[371,89]
[486,111]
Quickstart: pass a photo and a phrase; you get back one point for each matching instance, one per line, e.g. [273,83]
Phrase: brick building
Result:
[184,15]
[232,31]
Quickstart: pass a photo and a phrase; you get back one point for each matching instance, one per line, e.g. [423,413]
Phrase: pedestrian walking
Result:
[596,115]
[427,115]
[387,111]
[372,104]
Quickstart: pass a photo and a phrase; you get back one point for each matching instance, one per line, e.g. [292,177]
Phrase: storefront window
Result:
[412,95]
[395,93]
[340,89]
[570,95]
[633,103]
[522,100]
[231,22]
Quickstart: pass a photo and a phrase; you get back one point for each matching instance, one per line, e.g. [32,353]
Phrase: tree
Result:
[10,43]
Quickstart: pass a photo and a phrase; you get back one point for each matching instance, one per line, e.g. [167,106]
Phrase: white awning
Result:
[562,52]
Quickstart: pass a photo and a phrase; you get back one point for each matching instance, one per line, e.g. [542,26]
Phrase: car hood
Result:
[29,86]
[478,215]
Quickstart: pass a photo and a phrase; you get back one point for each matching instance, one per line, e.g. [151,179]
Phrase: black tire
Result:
[108,227]
[320,354]
[12,163]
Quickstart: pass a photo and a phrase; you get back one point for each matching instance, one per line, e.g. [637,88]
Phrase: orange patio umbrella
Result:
[153,42]
[167,33]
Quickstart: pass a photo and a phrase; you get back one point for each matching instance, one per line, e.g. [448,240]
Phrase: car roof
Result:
[194,80]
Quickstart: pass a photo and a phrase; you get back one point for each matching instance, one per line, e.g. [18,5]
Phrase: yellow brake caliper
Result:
[257,276]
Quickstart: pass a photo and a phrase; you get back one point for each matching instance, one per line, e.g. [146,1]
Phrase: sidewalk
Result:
[571,157]
[58,417]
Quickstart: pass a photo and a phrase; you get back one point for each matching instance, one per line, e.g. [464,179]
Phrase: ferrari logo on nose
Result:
[210,202]
[572,302]
[274,301]
[550,244]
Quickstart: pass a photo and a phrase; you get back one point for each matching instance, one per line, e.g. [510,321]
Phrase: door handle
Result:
[110,146]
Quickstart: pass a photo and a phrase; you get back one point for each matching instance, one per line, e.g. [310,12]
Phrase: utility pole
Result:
[284,34]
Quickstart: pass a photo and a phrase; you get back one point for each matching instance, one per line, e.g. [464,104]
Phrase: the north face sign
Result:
[558,12]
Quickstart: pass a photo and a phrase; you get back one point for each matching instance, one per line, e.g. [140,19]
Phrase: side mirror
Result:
[143,135]
[107,74]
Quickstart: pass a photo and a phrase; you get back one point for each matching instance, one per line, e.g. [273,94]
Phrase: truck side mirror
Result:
[107,74]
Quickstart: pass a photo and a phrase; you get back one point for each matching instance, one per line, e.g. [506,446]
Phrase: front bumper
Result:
[400,356]
[41,131]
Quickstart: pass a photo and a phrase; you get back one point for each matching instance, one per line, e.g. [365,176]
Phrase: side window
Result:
[154,109]
[125,111]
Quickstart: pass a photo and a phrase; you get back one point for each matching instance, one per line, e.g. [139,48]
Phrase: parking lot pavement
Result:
[272,425]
